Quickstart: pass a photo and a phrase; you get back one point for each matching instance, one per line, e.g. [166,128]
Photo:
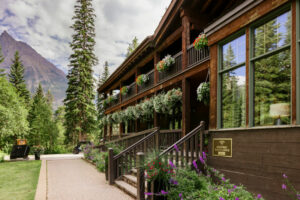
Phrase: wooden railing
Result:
[196,56]
[177,67]
[126,160]
[187,149]
[149,83]
[131,92]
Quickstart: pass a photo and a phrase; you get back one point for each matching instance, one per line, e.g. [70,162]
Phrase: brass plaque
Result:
[222,147]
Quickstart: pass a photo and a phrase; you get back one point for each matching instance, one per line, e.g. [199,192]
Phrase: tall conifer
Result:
[79,102]
[16,77]
[1,60]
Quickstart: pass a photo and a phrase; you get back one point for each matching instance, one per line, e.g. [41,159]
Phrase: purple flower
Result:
[201,160]
[204,155]
[171,164]
[259,196]
[237,198]
[284,176]
[221,198]
[195,164]
[163,192]
[223,179]
[229,191]
[148,193]
[234,187]
[176,148]
[283,186]
[174,182]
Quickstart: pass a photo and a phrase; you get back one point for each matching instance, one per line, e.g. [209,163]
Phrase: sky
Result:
[45,26]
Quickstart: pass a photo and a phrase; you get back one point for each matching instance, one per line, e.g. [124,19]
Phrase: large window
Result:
[232,73]
[271,72]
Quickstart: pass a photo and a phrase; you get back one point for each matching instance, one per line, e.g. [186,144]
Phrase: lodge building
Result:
[252,65]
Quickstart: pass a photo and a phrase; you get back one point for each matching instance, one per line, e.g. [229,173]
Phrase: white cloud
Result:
[45,25]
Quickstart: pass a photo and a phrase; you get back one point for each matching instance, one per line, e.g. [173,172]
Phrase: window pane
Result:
[234,98]
[272,89]
[234,52]
[273,34]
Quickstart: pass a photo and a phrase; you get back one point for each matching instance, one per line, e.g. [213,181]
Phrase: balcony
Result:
[131,92]
[195,57]
[149,83]
[177,67]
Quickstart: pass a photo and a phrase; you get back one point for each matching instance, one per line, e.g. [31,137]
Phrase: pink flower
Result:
[201,160]
[163,192]
[259,196]
[176,148]
[195,164]
[284,176]
[204,155]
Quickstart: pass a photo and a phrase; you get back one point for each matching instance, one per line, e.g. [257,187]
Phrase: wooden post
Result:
[110,132]
[104,134]
[121,129]
[111,167]
[156,60]
[185,39]
[186,106]
[157,140]
[140,176]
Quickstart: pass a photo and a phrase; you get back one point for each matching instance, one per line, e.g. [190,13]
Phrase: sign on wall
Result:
[222,147]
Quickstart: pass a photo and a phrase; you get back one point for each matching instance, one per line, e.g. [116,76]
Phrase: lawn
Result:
[18,180]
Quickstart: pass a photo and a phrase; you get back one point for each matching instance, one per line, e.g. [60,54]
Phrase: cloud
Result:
[45,25]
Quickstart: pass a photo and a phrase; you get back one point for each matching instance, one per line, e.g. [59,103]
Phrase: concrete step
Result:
[127,188]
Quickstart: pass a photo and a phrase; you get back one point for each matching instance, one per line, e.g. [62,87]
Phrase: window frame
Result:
[221,71]
[252,59]
[298,61]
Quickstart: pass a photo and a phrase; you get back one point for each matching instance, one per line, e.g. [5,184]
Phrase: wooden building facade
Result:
[252,65]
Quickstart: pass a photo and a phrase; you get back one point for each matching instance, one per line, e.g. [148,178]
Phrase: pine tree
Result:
[16,77]
[43,129]
[49,98]
[79,102]
[2,74]
[132,46]
[105,74]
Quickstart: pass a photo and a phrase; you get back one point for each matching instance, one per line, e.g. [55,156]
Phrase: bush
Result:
[2,156]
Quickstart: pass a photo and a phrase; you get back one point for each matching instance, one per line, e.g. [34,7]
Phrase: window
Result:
[271,72]
[232,73]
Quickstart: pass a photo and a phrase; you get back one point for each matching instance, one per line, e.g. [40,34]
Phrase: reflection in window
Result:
[273,34]
[234,52]
[234,98]
[272,89]
[233,79]
[272,73]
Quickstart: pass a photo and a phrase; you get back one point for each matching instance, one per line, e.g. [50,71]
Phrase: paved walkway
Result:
[74,179]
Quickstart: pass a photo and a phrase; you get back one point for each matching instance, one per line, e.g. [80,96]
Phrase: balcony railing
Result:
[115,102]
[196,56]
[131,92]
[149,83]
[177,67]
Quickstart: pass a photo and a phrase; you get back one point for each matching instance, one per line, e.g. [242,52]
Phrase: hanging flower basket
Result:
[165,63]
[200,42]
[124,90]
[203,93]
[142,79]
[111,99]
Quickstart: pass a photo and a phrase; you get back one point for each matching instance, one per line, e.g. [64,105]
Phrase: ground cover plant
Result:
[18,180]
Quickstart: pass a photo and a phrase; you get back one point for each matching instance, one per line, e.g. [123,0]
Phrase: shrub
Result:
[2,154]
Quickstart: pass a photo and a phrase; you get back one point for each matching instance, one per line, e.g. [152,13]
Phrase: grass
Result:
[18,180]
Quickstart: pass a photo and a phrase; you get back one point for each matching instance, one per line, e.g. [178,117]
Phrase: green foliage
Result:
[200,42]
[203,93]
[132,46]
[43,129]
[165,63]
[2,154]
[2,74]
[13,114]
[80,109]
[16,77]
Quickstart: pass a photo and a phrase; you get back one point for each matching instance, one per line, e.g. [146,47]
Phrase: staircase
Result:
[128,183]
[122,168]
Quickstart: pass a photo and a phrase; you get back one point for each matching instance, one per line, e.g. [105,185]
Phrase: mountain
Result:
[37,69]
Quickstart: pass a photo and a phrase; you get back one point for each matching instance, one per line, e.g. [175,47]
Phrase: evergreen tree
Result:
[49,98]
[105,74]
[79,102]
[2,74]
[132,46]
[16,77]
[43,129]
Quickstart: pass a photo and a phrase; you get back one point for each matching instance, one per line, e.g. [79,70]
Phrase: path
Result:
[75,179]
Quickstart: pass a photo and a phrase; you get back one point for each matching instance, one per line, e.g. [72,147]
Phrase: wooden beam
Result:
[205,6]
[186,106]
[185,40]
[170,39]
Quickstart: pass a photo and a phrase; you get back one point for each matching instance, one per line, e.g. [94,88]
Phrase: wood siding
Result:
[259,159]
